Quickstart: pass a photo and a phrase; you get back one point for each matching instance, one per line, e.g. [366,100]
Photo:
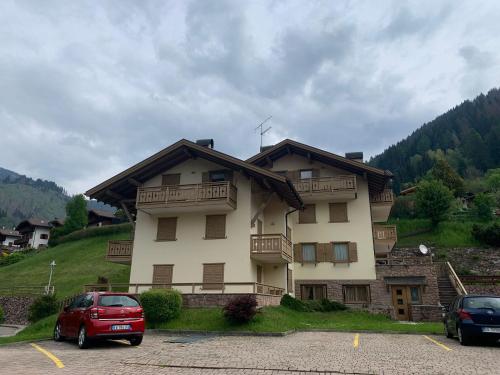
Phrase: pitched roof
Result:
[34,222]
[377,178]
[10,232]
[123,186]
[102,213]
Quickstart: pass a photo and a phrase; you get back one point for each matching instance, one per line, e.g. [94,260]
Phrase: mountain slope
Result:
[468,136]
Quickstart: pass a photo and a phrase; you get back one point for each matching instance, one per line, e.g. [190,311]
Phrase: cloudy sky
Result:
[89,88]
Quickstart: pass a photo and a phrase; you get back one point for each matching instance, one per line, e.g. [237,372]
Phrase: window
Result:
[415,295]
[313,292]
[308,214]
[117,301]
[86,301]
[44,236]
[167,228]
[171,179]
[340,252]
[306,174]
[213,276]
[162,274]
[76,302]
[308,253]
[215,226]
[338,212]
[356,293]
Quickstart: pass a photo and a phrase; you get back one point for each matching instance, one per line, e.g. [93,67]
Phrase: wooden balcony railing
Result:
[385,196]
[120,251]
[385,232]
[269,244]
[178,195]
[326,184]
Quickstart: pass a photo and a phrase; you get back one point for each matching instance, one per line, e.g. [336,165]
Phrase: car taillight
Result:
[464,315]
[141,311]
[94,313]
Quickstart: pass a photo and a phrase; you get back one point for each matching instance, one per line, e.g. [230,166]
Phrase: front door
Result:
[401,302]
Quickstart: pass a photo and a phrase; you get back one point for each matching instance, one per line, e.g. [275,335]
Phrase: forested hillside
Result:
[468,136]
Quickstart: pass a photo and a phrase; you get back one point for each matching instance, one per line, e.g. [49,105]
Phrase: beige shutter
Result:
[215,226]
[205,177]
[167,228]
[289,280]
[353,252]
[308,214]
[171,179]
[213,276]
[338,212]
[162,274]
[297,252]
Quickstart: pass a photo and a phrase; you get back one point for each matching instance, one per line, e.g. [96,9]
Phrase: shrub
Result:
[1,315]
[12,258]
[483,207]
[324,305]
[487,234]
[433,200]
[241,309]
[294,303]
[42,307]
[161,305]
[328,305]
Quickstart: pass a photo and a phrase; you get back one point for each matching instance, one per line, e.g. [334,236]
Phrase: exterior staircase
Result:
[447,292]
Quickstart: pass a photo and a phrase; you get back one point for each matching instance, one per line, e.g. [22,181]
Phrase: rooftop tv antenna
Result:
[261,127]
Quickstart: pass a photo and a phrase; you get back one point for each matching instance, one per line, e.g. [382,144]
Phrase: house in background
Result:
[56,223]
[8,237]
[35,233]
[98,218]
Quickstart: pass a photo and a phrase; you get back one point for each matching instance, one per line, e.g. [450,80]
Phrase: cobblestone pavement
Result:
[301,353]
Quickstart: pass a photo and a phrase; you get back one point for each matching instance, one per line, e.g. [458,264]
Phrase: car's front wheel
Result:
[57,332]
[447,332]
[83,340]
[134,341]
[463,338]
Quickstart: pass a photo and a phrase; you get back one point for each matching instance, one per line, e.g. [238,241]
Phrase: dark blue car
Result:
[473,317]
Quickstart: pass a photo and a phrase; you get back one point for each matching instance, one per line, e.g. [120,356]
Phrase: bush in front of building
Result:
[487,234]
[161,305]
[329,305]
[294,303]
[323,305]
[11,259]
[42,307]
[240,309]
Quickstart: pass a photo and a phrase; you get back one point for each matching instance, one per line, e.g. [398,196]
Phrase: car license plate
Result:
[121,327]
[491,330]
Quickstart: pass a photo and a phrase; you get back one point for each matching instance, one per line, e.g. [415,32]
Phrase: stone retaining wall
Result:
[15,308]
[483,289]
[219,300]
[426,313]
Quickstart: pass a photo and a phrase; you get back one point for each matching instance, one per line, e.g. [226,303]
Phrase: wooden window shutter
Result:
[315,173]
[329,252]
[308,214]
[162,274]
[205,177]
[213,276]
[297,252]
[353,252]
[289,280]
[321,249]
[215,226]
[338,212]
[167,228]
[171,179]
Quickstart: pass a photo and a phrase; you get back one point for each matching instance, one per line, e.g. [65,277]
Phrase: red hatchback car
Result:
[101,315]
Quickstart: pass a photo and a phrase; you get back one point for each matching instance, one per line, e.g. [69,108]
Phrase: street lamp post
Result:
[52,265]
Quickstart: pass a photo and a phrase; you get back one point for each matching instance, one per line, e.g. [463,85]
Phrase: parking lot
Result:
[306,352]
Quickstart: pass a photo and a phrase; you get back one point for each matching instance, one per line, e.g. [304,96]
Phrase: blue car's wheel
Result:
[463,338]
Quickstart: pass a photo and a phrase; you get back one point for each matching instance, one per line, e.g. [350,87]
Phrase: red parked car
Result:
[101,315]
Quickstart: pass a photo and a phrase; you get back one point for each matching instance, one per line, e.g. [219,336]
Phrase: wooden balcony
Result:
[120,251]
[381,204]
[271,248]
[332,188]
[211,196]
[384,238]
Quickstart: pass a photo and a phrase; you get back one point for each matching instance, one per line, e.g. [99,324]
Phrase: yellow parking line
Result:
[54,359]
[355,344]
[438,343]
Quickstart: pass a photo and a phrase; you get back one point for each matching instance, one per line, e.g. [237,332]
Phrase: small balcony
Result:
[211,196]
[381,204]
[384,238]
[120,251]
[271,248]
[339,188]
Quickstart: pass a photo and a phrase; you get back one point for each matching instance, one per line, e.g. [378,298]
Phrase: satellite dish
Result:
[423,249]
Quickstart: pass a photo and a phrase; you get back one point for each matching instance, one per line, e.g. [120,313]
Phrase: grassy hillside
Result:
[78,263]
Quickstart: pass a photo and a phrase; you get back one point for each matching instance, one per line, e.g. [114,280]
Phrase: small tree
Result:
[433,200]
[483,206]
[443,172]
[493,179]
[76,214]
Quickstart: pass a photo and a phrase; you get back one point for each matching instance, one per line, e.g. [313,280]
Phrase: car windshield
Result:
[117,301]
[482,303]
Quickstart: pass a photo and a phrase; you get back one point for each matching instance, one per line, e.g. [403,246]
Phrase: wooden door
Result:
[401,302]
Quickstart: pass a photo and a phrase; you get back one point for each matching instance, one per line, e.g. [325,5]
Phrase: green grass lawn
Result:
[78,263]
[38,331]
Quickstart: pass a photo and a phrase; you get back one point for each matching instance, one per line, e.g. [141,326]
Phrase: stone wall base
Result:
[15,308]
[483,289]
[426,313]
[219,300]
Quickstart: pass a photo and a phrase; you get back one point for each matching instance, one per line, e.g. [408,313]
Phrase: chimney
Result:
[264,148]
[356,156]
[205,143]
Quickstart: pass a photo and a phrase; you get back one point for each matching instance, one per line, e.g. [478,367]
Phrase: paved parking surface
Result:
[318,352]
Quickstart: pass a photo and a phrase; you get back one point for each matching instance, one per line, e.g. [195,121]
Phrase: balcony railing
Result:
[120,251]
[326,184]
[271,247]
[186,195]
[385,232]
[385,196]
